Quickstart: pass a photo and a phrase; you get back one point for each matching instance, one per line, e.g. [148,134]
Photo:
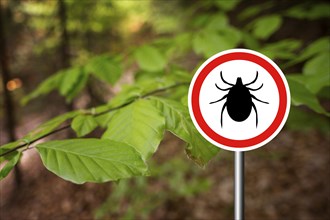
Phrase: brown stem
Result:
[37,139]
[101,113]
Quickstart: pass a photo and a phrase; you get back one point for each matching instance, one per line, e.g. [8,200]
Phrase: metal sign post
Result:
[239,185]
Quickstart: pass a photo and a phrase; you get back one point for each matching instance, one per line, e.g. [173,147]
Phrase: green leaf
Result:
[12,160]
[127,94]
[200,150]
[105,68]
[150,58]
[208,43]
[83,124]
[300,95]
[102,115]
[178,46]
[77,87]
[252,11]
[178,122]
[49,126]
[318,66]
[217,22]
[142,86]
[200,20]
[226,5]
[250,41]
[140,125]
[44,88]
[310,11]
[232,35]
[104,119]
[313,83]
[10,145]
[265,26]
[321,45]
[69,79]
[174,117]
[306,121]
[282,49]
[91,160]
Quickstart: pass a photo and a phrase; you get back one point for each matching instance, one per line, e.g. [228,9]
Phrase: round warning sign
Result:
[239,99]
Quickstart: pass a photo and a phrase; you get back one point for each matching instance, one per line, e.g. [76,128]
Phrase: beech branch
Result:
[156,91]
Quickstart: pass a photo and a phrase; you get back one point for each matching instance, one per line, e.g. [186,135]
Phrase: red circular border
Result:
[231,142]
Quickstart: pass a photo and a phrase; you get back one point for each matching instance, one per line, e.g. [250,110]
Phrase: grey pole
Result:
[239,185]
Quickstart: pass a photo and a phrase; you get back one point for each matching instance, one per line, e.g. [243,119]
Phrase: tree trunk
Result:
[65,41]
[9,105]
[64,48]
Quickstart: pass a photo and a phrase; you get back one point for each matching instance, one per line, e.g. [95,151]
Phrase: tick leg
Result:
[221,88]
[258,99]
[223,108]
[253,80]
[219,100]
[255,109]
[256,89]
[225,80]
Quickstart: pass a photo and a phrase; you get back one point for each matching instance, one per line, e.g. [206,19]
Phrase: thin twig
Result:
[143,96]
[37,139]
[101,113]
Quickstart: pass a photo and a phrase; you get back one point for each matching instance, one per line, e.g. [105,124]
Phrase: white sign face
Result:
[239,100]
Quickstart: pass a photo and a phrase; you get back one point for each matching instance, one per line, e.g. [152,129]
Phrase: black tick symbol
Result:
[239,100]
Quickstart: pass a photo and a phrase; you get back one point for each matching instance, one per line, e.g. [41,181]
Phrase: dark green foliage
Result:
[136,118]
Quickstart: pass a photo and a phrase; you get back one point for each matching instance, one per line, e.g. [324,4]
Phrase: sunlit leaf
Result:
[310,11]
[200,150]
[104,119]
[175,119]
[313,83]
[12,159]
[265,26]
[208,43]
[150,58]
[217,22]
[105,68]
[140,125]
[102,115]
[321,45]
[318,66]
[77,87]
[91,160]
[250,41]
[282,49]
[83,124]
[227,5]
[179,46]
[232,35]
[300,95]
[44,88]
[70,78]
[178,122]
[10,145]
[254,10]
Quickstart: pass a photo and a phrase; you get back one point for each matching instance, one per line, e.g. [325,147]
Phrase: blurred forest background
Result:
[139,41]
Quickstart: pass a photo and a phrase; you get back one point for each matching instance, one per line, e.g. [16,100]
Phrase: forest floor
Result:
[286,179]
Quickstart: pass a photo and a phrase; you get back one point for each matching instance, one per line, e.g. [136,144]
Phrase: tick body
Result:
[239,100]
